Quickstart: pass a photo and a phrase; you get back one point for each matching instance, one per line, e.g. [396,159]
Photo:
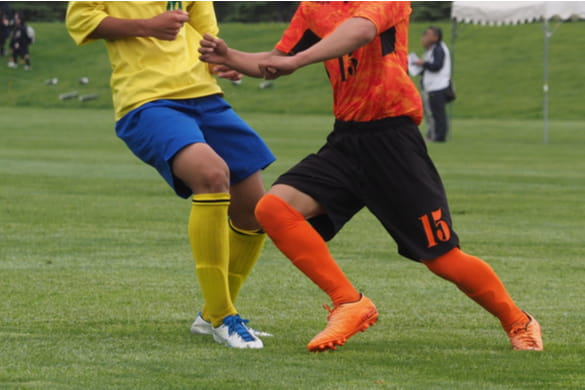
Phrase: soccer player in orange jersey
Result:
[375,157]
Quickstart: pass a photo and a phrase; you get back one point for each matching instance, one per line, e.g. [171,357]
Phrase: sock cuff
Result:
[244,232]
[271,204]
[211,199]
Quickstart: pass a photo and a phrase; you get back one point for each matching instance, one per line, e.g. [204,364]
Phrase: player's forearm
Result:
[114,28]
[246,63]
[349,36]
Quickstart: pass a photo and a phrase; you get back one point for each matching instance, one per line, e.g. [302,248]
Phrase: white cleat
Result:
[200,326]
[235,334]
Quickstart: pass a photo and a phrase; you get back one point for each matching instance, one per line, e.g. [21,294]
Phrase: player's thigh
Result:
[300,201]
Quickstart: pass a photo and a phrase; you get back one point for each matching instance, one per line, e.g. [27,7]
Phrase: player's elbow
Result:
[365,31]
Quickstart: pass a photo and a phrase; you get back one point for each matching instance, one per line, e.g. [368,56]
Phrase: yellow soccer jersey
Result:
[148,69]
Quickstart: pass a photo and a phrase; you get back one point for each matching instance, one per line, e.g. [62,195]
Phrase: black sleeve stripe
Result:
[388,39]
[308,39]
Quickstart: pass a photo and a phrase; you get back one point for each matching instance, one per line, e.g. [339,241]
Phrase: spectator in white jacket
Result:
[435,82]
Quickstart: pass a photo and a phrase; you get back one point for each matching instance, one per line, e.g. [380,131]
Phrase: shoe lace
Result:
[519,331]
[236,324]
[521,335]
[330,309]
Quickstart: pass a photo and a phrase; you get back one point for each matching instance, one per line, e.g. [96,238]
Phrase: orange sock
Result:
[307,250]
[478,281]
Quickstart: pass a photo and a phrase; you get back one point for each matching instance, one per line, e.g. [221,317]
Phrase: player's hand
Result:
[225,72]
[276,66]
[213,50]
[167,25]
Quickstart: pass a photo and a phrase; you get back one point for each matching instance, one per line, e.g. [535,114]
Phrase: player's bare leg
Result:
[245,196]
[282,213]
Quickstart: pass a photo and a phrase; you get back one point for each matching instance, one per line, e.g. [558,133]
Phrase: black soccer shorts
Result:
[384,166]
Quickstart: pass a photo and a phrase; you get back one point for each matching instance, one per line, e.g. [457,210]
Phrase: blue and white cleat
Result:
[235,334]
[200,326]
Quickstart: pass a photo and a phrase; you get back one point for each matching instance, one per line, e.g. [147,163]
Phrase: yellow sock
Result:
[209,237]
[245,248]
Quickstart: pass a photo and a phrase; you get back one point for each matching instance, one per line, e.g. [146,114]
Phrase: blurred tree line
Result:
[37,11]
[282,11]
[230,11]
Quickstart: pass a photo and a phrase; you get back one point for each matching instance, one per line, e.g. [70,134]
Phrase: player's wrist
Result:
[143,27]
[303,58]
[230,58]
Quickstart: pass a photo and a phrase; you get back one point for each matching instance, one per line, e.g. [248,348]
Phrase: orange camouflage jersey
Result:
[372,82]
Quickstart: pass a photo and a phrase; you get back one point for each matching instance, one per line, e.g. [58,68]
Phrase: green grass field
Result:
[98,287]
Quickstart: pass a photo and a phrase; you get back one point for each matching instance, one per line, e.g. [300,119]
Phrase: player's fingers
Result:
[262,69]
[205,50]
[268,71]
[221,68]
[211,39]
[231,75]
[226,75]
[181,16]
[168,36]
[266,74]
[206,43]
[226,72]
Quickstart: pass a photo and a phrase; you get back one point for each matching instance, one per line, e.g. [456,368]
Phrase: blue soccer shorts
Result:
[155,132]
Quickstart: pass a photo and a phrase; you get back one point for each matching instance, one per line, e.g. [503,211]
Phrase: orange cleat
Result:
[344,321]
[527,336]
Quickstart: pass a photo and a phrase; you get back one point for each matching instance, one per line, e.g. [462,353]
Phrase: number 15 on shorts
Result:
[435,227]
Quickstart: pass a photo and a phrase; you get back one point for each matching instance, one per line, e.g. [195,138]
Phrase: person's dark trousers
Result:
[2,43]
[438,103]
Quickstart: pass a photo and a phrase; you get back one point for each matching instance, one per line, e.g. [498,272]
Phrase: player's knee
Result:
[208,179]
[214,179]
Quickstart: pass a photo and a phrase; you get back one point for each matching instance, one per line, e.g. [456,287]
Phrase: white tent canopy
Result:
[499,13]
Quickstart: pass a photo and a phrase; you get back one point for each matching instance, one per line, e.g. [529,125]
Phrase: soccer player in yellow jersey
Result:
[375,158]
[170,113]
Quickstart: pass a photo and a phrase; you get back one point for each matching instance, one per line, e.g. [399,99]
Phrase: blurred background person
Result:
[5,26]
[435,83]
[20,39]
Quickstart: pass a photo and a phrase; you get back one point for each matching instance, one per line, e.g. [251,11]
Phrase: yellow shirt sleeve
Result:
[82,19]
[202,17]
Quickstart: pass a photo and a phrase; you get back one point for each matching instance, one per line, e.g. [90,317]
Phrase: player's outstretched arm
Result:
[215,51]
[347,37]
[164,26]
